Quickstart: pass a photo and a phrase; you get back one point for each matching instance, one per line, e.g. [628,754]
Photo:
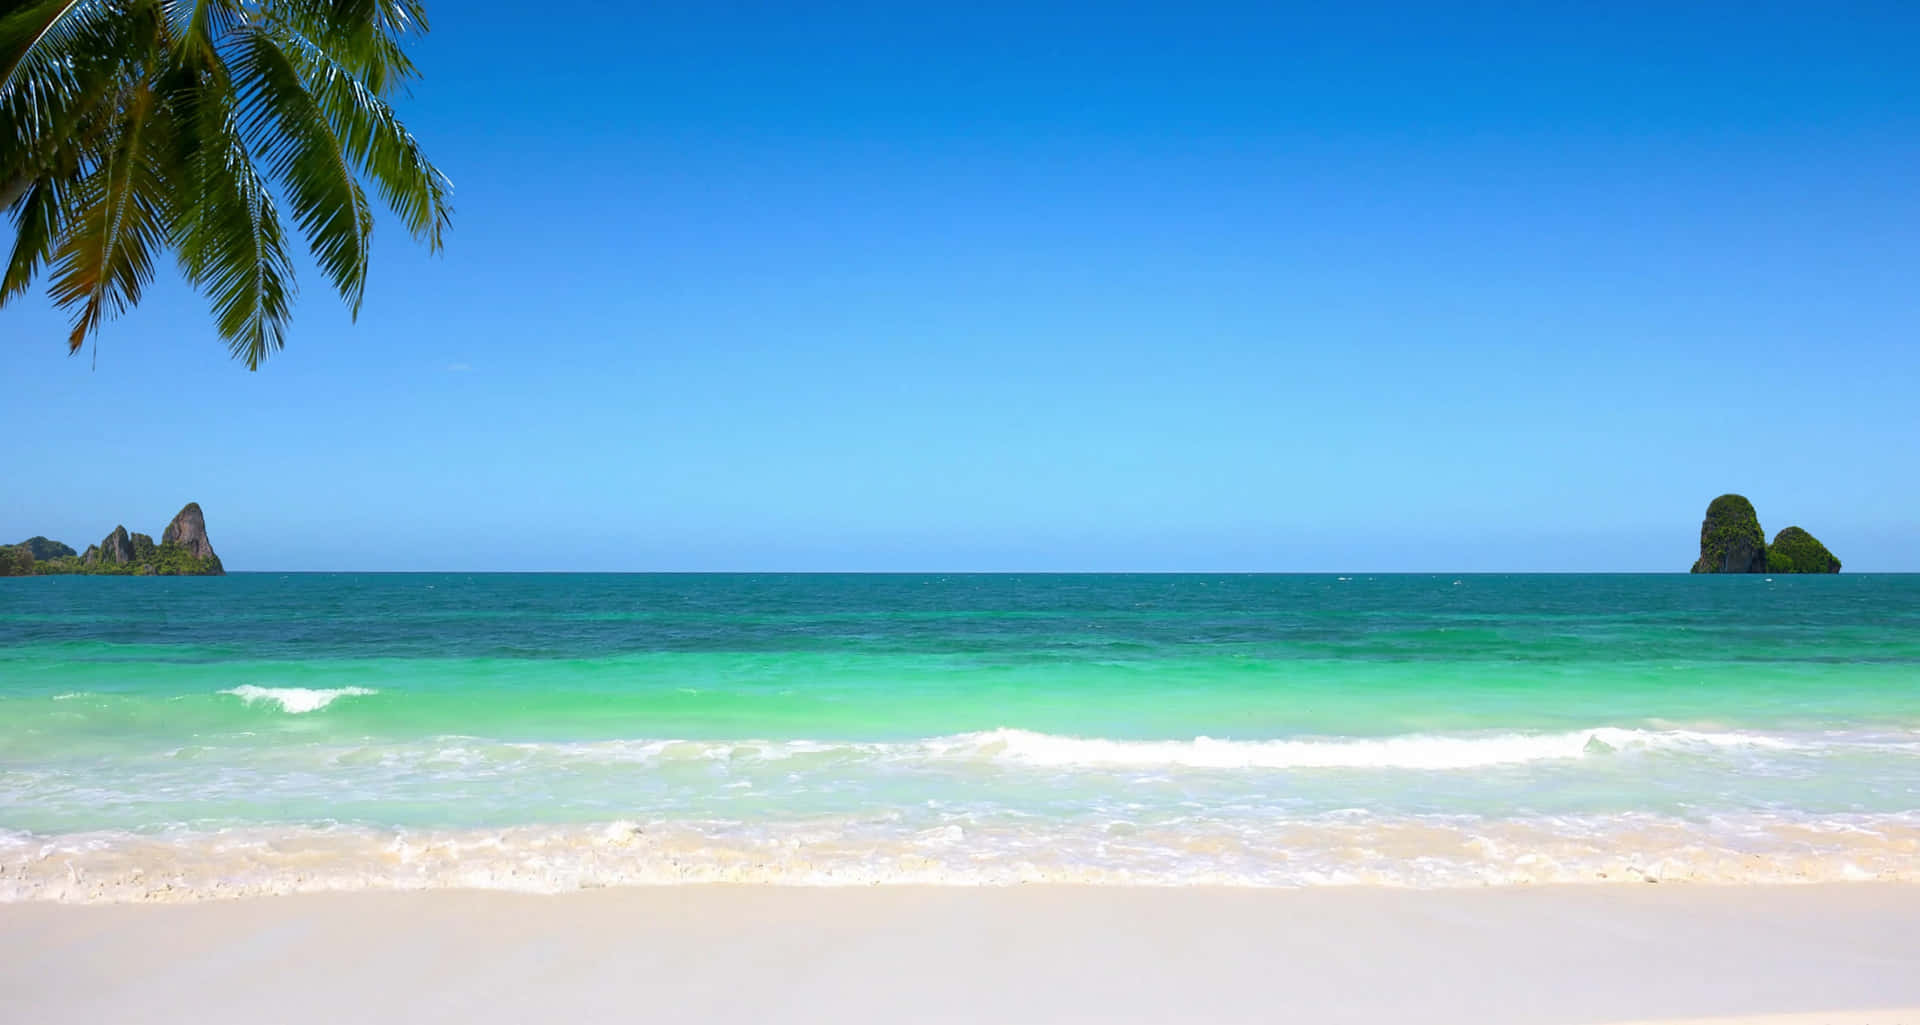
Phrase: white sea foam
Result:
[814,812]
[1410,751]
[296,700]
[1400,851]
[1015,747]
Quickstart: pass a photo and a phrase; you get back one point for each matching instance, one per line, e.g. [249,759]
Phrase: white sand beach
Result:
[1507,956]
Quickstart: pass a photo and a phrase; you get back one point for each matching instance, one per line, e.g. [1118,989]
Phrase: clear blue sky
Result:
[1105,287]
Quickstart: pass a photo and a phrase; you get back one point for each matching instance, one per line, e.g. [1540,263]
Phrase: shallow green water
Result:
[970,728]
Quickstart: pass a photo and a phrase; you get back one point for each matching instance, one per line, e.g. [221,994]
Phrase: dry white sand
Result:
[1827,954]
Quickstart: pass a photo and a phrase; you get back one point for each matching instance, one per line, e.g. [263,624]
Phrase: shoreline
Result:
[1499,956]
[165,893]
[1326,852]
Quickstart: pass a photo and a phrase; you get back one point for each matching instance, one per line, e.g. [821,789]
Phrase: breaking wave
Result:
[1026,748]
[1412,751]
[296,700]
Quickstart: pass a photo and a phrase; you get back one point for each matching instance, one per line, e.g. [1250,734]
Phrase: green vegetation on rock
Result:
[45,550]
[1731,540]
[172,560]
[16,561]
[163,561]
[1796,551]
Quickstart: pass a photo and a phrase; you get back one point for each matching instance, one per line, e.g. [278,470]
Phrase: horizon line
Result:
[1034,572]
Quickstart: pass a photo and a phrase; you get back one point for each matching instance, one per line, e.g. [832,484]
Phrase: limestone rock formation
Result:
[1796,551]
[117,547]
[189,531]
[1731,540]
[183,551]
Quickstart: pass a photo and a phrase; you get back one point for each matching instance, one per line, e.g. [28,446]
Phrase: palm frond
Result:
[36,36]
[197,26]
[285,124]
[68,64]
[129,126]
[69,123]
[363,36]
[231,244]
[37,221]
[106,257]
[63,62]
[374,137]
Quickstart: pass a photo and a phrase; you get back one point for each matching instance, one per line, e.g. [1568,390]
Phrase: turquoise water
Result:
[263,732]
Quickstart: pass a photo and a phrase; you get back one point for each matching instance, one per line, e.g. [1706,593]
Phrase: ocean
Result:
[264,733]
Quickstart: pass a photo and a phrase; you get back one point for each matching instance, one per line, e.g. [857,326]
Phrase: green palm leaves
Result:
[131,127]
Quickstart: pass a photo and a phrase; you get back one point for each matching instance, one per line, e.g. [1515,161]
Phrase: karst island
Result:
[1731,541]
[183,551]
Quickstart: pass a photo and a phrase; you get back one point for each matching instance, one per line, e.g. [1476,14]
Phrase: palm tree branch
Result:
[232,246]
[127,126]
[289,129]
[36,224]
[106,258]
[361,35]
[197,25]
[375,138]
[28,34]
[64,62]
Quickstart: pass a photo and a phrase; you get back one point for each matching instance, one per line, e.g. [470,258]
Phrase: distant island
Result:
[183,551]
[1731,541]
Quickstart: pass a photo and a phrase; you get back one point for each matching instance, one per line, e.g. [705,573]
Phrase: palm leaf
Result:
[373,136]
[106,257]
[363,36]
[127,126]
[36,223]
[65,64]
[284,123]
[37,37]
[198,25]
[227,230]
[235,251]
